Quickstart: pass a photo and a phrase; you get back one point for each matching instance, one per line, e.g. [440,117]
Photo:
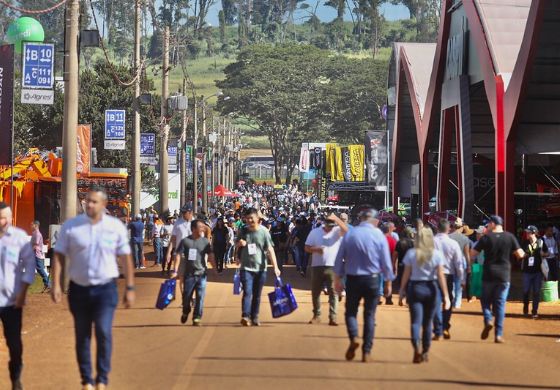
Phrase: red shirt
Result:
[392,243]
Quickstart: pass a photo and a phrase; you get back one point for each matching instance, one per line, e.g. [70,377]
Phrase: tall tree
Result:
[230,11]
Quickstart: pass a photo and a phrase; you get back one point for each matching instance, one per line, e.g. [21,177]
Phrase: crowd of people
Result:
[361,261]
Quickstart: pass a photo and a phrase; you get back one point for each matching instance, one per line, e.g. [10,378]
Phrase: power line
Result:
[33,11]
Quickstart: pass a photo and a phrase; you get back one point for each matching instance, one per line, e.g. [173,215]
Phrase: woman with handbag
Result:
[423,269]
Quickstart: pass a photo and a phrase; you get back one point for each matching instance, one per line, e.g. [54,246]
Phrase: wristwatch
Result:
[130,288]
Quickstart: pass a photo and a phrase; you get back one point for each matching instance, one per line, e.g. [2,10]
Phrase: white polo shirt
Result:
[330,242]
[17,264]
[181,229]
[92,249]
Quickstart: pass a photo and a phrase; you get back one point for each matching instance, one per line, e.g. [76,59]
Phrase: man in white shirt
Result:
[92,243]
[453,268]
[459,237]
[323,244]
[17,262]
[181,230]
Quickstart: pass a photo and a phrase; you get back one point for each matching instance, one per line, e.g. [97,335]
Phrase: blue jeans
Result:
[422,297]
[442,319]
[300,258]
[493,302]
[457,292]
[40,267]
[358,287]
[137,252]
[194,283]
[158,250]
[532,282]
[93,305]
[11,322]
[253,283]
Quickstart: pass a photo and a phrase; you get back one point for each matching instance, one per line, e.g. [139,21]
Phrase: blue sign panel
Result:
[114,124]
[147,144]
[38,65]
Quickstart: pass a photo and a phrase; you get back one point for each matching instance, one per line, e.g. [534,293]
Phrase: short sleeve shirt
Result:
[532,262]
[330,242]
[426,271]
[194,252]
[17,264]
[498,248]
[253,255]
[181,230]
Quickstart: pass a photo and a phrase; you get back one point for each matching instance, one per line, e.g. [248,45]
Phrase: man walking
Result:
[362,257]
[459,237]
[18,272]
[37,244]
[498,246]
[453,269]
[254,245]
[92,243]
[136,228]
[194,248]
[552,256]
[181,230]
[323,244]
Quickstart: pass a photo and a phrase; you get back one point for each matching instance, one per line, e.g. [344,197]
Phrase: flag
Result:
[304,158]
[357,162]
[83,151]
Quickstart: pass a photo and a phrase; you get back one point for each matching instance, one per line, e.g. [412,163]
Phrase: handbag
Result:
[282,299]
[166,293]
[236,283]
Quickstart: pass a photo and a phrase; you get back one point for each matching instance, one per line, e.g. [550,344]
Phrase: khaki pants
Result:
[323,277]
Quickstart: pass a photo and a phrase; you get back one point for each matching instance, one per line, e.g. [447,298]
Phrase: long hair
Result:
[424,245]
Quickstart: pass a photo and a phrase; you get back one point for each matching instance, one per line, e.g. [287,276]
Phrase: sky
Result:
[326,14]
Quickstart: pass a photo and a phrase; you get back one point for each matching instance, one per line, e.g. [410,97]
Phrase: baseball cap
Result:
[532,229]
[186,208]
[496,219]
[458,222]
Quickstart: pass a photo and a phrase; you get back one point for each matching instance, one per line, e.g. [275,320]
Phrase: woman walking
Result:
[423,270]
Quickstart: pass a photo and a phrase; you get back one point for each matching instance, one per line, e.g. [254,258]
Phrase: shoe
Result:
[100,386]
[425,358]
[417,359]
[16,385]
[315,320]
[325,291]
[87,386]
[486,331]
[184,318]
[351,352]
[366,357]
[446,334]
[255,322]
[196,322]
[380,302]
[535,316]
[333,323]
[499,340]
[526,311]
[142,267]
[389,300]
[245,321]
[436,337]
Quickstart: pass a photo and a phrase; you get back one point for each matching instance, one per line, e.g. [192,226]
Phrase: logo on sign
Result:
[38,65]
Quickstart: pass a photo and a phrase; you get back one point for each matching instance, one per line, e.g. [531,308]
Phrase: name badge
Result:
[252,248]
[12,254]
[531,261]
[192,254]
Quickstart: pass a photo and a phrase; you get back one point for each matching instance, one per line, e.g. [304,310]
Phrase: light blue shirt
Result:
[91,250]
[364,251]
[453,257]
[17,264]
[426,271]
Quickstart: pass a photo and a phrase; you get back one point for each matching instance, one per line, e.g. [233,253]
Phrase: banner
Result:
[6,103]
[357,162]
[189,162]
[316,158]
[338,163]
[148,148]
[172,152]
[304,158]
[83,156]
[331,160]
[377,159]
[346,169]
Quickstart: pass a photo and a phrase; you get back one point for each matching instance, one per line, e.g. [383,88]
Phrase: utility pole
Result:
[183,169]
[70,121]
[136,173]
[204,173]
[195,160]
[163,157]
[225,153]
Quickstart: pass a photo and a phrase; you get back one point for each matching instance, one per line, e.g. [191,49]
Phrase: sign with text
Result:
[38,66]
[115,144]
[148,148]
[115,124]
[6,102]
[172,152]
[37,96]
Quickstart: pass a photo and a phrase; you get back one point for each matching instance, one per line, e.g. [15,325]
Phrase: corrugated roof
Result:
[504,23]
[420,58]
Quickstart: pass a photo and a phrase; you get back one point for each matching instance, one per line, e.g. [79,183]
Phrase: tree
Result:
[426,14]
[230,11]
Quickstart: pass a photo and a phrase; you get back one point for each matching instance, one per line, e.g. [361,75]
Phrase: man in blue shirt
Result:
[136,228]
[362,258]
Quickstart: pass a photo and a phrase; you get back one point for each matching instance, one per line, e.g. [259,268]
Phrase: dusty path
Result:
[152,350]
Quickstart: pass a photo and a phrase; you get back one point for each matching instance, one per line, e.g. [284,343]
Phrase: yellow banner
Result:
[338,164]
[331,168]
[357,160]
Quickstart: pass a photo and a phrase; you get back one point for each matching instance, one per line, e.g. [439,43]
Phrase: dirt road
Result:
[152,350]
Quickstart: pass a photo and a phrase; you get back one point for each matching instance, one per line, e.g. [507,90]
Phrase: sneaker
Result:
[535,316]
[499,340]
[245,321]
[526,311]
[351,352]
[315,320]
[446,334]
[196,322]
[389,300]
[142,267]
[436,337]
[333,323]
[425,357]
[366,357]
[16,385]
[486,331]
[184,318]
[255,322]
[325,291]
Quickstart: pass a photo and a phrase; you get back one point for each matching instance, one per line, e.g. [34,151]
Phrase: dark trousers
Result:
[253,283]
[194,284]
[421,297]
[360,287]
[323,276]
[442,319]
[137,252]
[40,267]
[532,282]
[219,255]
[11,321]
[552,269]
[93,305]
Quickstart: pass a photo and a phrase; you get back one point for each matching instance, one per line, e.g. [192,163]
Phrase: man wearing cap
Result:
[92,243]
[498,246]
[457,235]
[362,257]
[18,272]
[536,252]
[136,228]
[181,230]
[323,244]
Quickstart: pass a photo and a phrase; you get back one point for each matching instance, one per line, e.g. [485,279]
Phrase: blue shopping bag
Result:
[166,293]
[282,299]
[236,283]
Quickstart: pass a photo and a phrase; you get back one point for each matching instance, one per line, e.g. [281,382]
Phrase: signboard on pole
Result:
[6,103]
[189,162]
[377,159]
[148,148]
[37,75]
[115,129]
[172,152]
